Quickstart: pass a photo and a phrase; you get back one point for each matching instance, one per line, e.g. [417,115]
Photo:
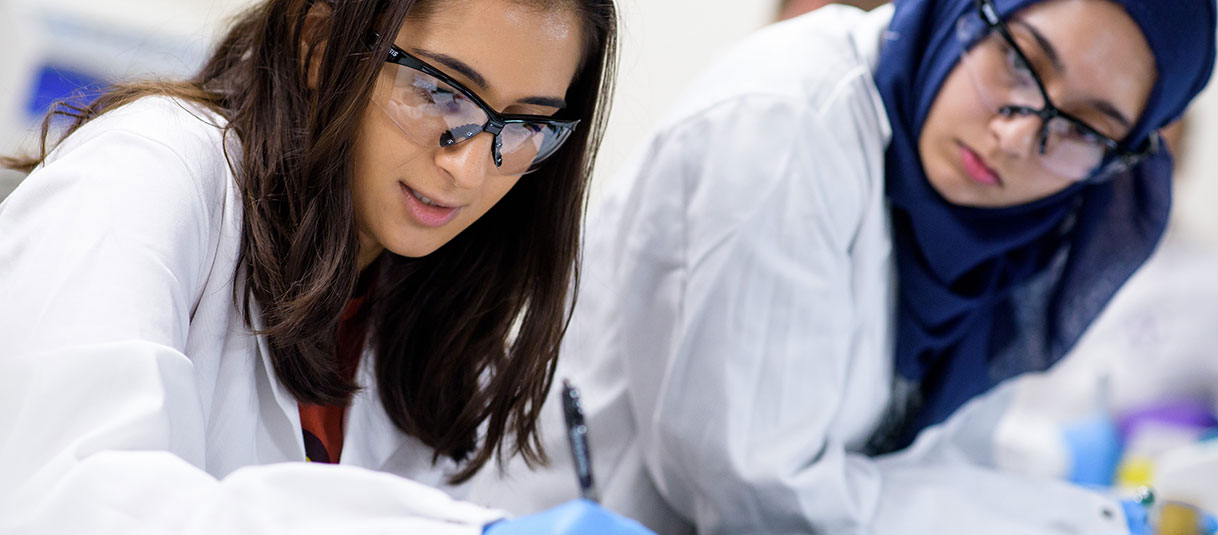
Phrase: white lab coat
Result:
[135,399]
[733,334]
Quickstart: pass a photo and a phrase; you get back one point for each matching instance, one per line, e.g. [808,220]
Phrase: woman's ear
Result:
[314,34]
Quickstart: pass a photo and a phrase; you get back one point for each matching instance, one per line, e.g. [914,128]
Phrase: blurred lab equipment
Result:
[58,49]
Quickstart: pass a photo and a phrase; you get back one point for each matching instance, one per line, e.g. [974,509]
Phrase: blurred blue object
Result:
[576,517]
[1137,517]
[1094,445]
[1209,525]
[53,83]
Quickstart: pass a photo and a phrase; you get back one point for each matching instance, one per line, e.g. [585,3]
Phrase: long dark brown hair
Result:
[465,338]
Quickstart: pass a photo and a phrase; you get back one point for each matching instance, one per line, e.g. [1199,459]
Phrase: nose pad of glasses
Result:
[458,134]
[497,150]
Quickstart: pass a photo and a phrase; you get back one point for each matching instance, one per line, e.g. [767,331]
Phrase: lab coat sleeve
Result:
[737,325]
[103,253]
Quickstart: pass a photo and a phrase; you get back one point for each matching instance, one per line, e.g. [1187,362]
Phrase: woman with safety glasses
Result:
[854,224]
[348,240]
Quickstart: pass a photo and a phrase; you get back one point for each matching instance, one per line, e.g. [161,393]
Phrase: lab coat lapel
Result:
[372,441]
[279,412]
[370,437]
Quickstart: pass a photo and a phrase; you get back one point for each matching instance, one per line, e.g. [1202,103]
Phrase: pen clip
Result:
[577,436]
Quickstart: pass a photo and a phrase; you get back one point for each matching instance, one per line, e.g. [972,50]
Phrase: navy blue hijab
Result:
[986,294]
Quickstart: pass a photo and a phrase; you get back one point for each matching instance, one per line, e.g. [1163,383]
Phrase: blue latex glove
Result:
[1209,525]
[1137,517]
[1094,446]
[576,517]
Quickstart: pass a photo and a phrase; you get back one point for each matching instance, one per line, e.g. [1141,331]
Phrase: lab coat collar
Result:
[370,439]
[289,409]
[869,35]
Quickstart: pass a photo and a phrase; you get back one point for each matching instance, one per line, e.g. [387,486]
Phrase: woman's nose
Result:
[1018,134]
[468,162]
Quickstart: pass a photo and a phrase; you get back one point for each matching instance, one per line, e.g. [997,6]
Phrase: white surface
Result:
[1196,196]
[1188,475]
[146,404]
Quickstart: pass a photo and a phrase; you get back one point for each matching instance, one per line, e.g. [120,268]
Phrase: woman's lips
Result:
[428,215]
[976,169]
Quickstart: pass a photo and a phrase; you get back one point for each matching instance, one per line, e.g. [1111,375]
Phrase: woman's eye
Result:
[1018,67]
[1076,132]
[1080,133]
[439,96]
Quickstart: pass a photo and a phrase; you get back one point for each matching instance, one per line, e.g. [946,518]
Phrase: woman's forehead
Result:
[1100,49]
[518,50]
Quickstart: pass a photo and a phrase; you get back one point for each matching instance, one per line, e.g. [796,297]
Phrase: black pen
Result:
[577,434]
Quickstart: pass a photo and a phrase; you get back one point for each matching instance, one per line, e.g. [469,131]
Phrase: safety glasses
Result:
[434,110]
[1006,82]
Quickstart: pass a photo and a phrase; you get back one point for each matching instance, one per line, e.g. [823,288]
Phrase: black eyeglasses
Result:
[432,109]
[1066,143]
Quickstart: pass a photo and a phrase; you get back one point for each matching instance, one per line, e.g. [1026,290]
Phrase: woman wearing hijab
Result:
[852,226]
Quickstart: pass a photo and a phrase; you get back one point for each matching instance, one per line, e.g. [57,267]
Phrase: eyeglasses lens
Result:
[432,113]
[1005,83]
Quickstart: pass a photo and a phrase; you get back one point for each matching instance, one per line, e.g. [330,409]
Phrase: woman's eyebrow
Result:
[549,102]
[1105,107]
[1044,44]
[456,65]
[1108,109]
[479,80]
